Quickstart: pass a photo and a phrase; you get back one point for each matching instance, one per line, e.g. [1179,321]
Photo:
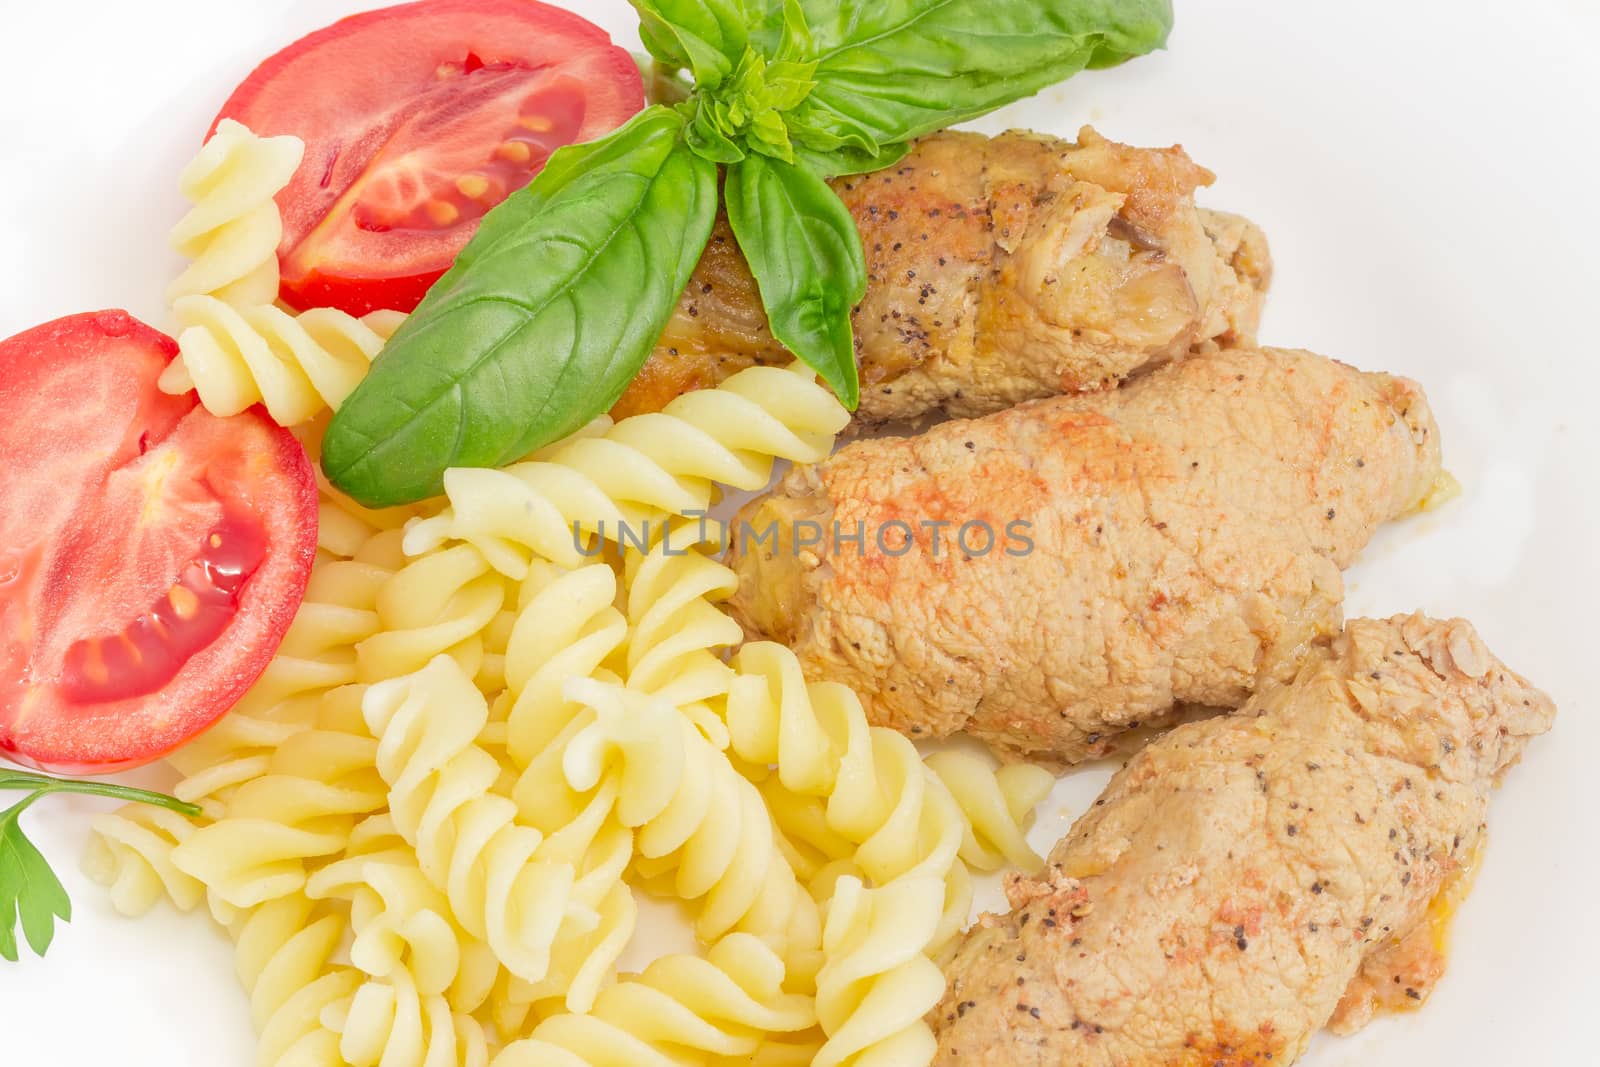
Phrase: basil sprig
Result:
[558,300]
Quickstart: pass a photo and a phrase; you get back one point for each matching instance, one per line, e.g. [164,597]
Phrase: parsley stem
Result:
[42,785]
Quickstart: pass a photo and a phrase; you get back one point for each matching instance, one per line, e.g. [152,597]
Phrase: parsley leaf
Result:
[30,892]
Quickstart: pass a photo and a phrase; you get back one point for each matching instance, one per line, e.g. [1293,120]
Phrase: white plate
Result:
[1426,175]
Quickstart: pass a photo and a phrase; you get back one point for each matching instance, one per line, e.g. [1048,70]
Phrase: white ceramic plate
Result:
[1426,175]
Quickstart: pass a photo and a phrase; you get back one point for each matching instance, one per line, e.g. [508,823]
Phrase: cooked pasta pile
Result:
[491,727]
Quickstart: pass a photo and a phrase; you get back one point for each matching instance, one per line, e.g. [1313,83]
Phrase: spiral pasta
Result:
[297,365]
[642,470]
[694,817]
[682,1009]
[860,794]
[340,612]
[401,921]
[495,719]
[878,982]
[996,806]
[318,782]
[231,233]
[130,852]
[504,885]
[285,950]
[440,603]
[677,632]
[391,1023]
[566,626]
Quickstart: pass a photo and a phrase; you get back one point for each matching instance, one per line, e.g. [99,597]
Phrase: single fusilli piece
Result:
[997,805]
[859,794]
[285,952]
[401,921]
[439,603]
[644,469]
[391,1023]
[297,365]
[878,982]
[695,819]
[682,1009]
[526,896]
[130,852]
[237,749]
[676,631]
[231,233]
[566,626]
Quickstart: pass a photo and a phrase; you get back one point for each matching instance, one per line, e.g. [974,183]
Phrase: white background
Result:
[1427,175]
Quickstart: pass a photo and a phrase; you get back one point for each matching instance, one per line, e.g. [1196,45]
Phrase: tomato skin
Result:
[108,488]
[459,103]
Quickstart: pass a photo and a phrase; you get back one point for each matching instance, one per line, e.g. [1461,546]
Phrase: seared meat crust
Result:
[1246,879]
[1186,529]
[1001,269]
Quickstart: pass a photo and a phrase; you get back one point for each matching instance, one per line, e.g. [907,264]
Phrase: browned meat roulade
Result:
[1001,269]
[1177,534]
[1245,881]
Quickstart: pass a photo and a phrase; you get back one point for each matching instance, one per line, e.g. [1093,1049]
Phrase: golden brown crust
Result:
[1187,530]
[1000,270]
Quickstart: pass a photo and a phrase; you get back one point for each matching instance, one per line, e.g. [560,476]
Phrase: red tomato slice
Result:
[151,554]
[417,119]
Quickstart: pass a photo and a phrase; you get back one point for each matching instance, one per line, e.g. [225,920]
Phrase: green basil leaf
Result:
[704,36]
[705,135]
[889,70]
[548,314]
[805,252]
[850,160]
[794,41]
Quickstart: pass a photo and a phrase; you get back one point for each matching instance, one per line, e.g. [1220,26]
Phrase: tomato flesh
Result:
[149,651]
[151,554]
[458,104]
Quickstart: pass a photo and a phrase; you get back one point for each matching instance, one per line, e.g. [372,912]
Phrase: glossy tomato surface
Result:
[151,554]
[417,120]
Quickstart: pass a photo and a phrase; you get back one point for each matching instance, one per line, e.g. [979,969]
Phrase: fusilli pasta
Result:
[130,852]
[238,748]
[285,950]
[487,727]
[682,1009]
[996,804]
[390,1023]
[297,365]
[500,883]
[339,612]
[866,786]
[644,469]
[677,632]
[317,783]
[439,603]
[231,233]
[694,817]
[878,982]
